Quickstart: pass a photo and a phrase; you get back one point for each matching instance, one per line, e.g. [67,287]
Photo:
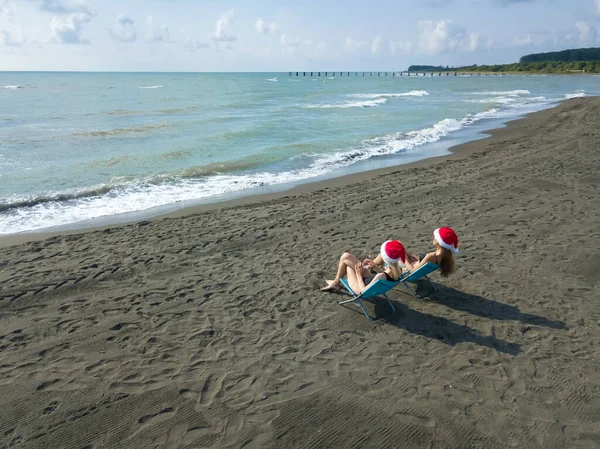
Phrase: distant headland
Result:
[580,60]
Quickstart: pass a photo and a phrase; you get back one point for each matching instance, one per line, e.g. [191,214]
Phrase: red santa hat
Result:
[393,251]
[447,238]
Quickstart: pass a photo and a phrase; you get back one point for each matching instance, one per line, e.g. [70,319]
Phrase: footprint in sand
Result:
[156,418]
[211,388]
[51,408]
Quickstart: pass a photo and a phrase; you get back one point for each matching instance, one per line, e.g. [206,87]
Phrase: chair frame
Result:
[426,269]
[415,276]
[357,299]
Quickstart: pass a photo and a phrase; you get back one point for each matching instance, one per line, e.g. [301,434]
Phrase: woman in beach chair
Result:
[361,274]
[445,242]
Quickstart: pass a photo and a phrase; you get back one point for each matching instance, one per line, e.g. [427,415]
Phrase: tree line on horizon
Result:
[581,60]
[574,55]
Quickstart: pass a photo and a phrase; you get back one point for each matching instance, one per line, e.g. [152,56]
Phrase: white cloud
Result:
[321,49]
[67,7]
[523,41]
[445,36]
[221,33]
[158,33]
[6,8]
[265,28]
[400,46]
[580,34]
[289,44]
[587,33]
[68,31]
[194,44]
[376,46]
[353,46]
[10,39]
[598,7]
[124,29]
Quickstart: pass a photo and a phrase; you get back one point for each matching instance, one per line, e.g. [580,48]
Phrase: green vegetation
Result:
[538,67]
[580,60]
[576,55]
[427,68]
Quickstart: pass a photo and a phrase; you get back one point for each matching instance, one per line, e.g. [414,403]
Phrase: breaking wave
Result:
[349,104]
[577,94]
[412,93]
[512,93]
[23,213]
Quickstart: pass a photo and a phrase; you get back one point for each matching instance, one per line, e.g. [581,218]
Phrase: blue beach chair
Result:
[422,272]
[378,288]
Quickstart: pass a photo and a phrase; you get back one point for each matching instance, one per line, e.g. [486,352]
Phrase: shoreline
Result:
[457,152]
[210,329]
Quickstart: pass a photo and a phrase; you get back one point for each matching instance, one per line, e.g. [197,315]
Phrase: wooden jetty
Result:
[402,73]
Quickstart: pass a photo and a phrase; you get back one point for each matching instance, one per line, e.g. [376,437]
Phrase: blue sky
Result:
[210,35]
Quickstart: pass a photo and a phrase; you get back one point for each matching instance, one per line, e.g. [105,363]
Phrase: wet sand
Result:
[209,329]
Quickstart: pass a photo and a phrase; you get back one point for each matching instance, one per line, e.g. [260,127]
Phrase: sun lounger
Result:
[422,272]
[378,288]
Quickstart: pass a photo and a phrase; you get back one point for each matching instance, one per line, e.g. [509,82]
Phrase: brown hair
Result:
[447,265]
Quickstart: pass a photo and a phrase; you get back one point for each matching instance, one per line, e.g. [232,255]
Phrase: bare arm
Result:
[375,265]
[428,258]
[361,282]
[378,260]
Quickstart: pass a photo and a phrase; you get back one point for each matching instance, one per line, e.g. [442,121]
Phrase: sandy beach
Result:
[208,329]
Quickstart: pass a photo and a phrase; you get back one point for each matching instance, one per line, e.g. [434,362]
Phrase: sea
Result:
[84,149]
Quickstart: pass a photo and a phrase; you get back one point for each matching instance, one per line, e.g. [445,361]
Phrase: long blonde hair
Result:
[395,270]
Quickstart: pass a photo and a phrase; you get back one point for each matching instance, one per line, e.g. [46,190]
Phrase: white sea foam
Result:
[402,142]
[12,86]
[274,79]
[499,100]
[412,93]
[578,94]
[135,196]
[150,87]
[349,104]
[512,93]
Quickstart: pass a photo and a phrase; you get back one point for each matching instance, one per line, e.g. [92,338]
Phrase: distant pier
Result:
[403,73]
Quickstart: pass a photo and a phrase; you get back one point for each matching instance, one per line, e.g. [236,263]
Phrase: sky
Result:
[300,35]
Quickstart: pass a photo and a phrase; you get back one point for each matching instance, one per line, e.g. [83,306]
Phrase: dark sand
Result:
[209,330]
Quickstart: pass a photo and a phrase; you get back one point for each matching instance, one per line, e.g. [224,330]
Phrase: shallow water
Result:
[76,147]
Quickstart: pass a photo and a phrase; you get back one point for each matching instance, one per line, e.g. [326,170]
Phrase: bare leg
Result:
[351,275]
[346,261]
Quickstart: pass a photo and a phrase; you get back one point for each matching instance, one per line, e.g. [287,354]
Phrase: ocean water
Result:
[86,148]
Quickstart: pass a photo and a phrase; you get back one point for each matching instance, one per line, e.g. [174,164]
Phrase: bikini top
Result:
[389,278]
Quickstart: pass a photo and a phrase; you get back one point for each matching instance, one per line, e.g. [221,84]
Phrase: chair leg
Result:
[411,291]
[389,302]
[347,301]
[358,302]
[432,284]
[363,309]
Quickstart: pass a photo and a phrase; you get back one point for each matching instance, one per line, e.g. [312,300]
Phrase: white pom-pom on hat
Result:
[446,238]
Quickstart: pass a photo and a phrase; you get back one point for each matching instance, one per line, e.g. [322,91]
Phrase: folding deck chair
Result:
[422,272]
[377,288]
[380,287]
